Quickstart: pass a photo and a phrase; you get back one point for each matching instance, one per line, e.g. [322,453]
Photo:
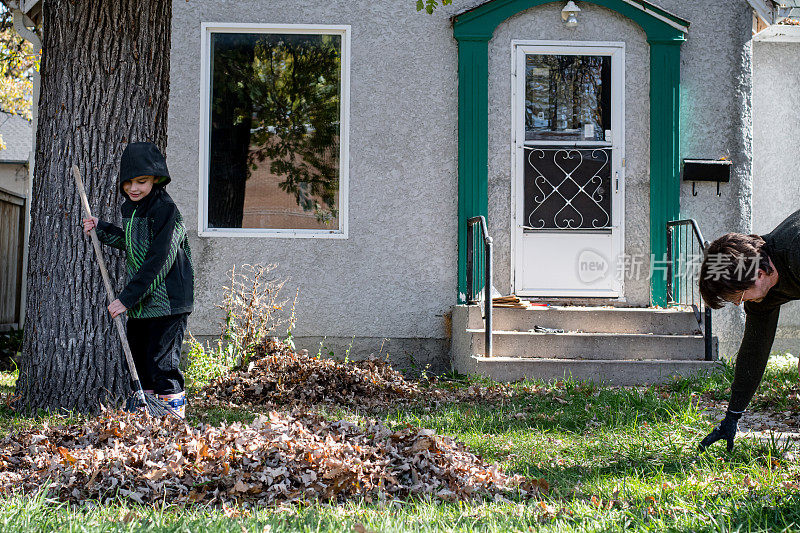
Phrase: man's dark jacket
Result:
[159,261]
[782,245]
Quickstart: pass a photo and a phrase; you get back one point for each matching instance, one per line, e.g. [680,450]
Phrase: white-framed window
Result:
[274,134]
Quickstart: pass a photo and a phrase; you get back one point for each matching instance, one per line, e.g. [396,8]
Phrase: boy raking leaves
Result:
[159,294]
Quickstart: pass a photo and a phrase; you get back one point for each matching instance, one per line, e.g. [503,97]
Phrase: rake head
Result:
[155,406]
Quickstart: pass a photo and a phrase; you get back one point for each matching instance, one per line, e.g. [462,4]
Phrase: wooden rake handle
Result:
[104,271]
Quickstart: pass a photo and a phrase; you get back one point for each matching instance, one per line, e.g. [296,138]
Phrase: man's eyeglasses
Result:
[737,300]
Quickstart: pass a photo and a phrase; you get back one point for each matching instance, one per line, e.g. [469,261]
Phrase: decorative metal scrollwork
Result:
[567,188]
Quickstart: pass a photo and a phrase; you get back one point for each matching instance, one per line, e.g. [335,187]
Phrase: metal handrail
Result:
[688,288]
[487,271]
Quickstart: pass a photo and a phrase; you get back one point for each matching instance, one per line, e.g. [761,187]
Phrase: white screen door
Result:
[568,100]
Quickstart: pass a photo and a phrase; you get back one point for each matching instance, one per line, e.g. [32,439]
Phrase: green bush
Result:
[207,363]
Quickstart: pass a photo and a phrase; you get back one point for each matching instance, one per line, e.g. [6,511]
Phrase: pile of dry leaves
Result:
[279,376]
[277,458]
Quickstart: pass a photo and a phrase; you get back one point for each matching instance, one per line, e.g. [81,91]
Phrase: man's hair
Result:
[731,265]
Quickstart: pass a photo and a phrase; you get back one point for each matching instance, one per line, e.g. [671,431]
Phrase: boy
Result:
[160,290]
[763,273]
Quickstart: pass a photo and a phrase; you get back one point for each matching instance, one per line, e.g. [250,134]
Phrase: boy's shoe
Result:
[177,402]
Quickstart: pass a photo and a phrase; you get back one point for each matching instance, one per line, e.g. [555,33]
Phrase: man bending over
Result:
[763,273]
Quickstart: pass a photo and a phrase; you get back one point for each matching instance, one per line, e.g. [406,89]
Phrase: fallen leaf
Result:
[66,455]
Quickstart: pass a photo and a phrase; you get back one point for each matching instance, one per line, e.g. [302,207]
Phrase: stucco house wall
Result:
[389,286]
[717,121]
[394,277]
[776,155]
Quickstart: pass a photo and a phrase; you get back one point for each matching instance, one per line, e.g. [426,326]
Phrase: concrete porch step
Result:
[610,372]
[591,319]
[621,346]
[618,346]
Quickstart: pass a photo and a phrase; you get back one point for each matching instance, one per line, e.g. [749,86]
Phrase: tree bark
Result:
[105,83]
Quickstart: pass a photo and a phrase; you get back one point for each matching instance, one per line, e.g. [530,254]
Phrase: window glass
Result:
[567,97]
[275,131]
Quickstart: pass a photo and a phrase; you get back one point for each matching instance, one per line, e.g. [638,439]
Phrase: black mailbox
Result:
[718,170]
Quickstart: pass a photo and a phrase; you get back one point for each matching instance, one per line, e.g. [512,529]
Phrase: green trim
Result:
[480,23]
[665,75]
[473,29]
[473,144]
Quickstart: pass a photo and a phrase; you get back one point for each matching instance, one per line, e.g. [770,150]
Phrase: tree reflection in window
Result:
[275,116]
[564,93]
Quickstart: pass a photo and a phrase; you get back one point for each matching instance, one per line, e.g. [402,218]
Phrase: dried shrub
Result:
[251,306]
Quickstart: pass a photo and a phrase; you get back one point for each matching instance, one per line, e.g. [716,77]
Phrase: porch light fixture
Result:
[569,14]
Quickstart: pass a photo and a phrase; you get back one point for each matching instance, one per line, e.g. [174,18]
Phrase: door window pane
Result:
[275,131]
[567,97]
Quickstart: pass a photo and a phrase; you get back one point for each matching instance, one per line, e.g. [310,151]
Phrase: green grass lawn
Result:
[614,459]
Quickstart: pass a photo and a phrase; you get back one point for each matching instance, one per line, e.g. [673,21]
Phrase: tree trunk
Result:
[105,82]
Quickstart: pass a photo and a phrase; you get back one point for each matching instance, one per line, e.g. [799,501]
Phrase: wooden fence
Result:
[12,236]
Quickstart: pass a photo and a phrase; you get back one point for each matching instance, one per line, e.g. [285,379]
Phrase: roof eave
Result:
[762,11]
[778,33]
[644,6]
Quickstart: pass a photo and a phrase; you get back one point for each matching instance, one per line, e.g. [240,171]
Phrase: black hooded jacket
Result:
[782,245]
[158,257]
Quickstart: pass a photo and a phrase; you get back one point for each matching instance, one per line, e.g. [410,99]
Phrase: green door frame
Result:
[665,33]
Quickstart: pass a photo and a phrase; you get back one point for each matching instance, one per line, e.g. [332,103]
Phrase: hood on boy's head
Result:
[143,159]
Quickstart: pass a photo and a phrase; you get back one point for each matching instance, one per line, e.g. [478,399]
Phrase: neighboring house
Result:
[351,142]
[776,141]
[16,133]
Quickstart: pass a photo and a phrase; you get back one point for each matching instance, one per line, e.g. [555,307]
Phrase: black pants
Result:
[156,348]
